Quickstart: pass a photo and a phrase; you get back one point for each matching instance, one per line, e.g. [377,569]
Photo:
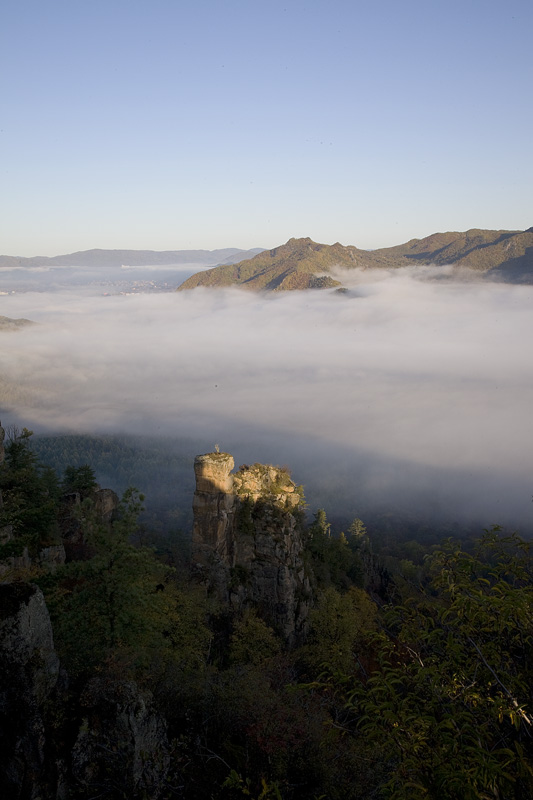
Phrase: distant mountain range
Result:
[132,258]
[303,264]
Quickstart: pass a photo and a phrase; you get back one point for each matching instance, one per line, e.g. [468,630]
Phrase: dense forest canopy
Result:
[413,679]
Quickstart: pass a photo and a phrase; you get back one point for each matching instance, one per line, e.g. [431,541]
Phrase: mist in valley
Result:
[404,395]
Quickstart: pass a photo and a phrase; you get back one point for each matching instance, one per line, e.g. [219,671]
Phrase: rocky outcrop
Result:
[119,749]
[49,558]
[12,567]
[105,504]
[122,748]
[29,671]
[52,557]
[214,517]
[247,540]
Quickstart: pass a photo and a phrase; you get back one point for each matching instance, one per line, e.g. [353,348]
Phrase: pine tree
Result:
[119,603]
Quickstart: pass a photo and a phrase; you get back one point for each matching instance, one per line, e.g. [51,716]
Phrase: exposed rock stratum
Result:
[248,540]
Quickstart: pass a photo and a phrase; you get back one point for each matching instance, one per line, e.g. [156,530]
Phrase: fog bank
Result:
[401,388]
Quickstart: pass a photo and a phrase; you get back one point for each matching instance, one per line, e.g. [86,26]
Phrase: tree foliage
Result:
[339,626]
[452,697]
[30,494]
[120,604]
[81,480]
[334,561]
[423,691]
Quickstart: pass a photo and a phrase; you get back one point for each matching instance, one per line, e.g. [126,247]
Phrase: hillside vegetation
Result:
[414,679]
[304,264]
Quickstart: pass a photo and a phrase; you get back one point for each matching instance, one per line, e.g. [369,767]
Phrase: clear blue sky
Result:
[172,124]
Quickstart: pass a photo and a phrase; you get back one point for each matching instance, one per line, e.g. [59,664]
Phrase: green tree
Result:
[252,641]
[30,494]
[451,701]
[320,526]
[120,603]
[333,560]
[79,479]
[339,627]
[357,529]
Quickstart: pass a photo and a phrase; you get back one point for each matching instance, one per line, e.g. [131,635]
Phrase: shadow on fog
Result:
[390,494]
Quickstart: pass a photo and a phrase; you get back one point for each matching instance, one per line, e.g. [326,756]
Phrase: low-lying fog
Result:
[102,280]
[401,392]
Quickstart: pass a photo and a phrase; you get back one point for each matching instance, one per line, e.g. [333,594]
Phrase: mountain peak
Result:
[301,240]
[304,264]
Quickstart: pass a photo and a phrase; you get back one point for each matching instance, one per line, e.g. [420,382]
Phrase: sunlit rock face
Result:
[213,472]
[247,540]
[214,509]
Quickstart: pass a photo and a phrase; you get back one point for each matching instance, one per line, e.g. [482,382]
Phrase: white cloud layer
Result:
[400,387]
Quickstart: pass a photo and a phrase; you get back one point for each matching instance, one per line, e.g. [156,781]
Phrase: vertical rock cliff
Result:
[105,504]
[29,670]
[122,748]
[247,540]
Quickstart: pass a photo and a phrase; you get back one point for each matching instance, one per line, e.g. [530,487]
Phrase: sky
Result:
[181,124]
[404,392]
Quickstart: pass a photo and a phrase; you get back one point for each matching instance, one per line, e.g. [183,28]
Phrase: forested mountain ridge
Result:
[304,264]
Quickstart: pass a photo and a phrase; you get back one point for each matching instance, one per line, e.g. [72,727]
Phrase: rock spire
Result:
[247,540]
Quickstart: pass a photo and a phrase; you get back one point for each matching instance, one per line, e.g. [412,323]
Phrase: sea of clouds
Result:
[404,389]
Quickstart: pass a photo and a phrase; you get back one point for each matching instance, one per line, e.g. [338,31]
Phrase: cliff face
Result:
[29,670]
[105,502]
[122,744]
[54,746]
[248,542]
